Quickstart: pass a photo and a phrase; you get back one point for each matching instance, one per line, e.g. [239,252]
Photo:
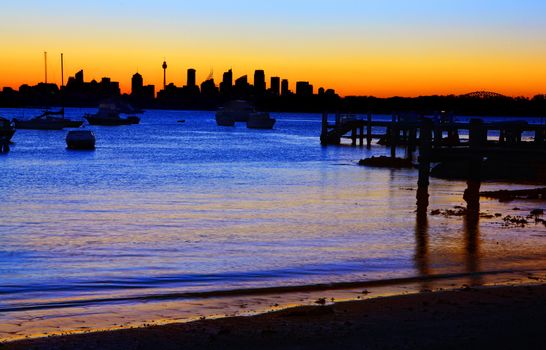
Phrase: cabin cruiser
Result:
[108,115]
[260,120]
[234,111]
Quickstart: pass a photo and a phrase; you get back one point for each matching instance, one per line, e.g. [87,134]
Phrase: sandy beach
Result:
[506,317]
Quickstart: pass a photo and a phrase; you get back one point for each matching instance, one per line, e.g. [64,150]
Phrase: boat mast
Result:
[62,84]
[62,71]
[45,65]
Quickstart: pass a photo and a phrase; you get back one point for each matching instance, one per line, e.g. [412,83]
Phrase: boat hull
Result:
[80,140]
[73,123]
[38,125]
[108,121]
[260,121]
[224,120]
[7,129]
[6,135]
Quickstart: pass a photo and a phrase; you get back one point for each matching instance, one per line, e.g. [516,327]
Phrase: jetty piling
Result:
[369,131]
[395,134]
[425,152]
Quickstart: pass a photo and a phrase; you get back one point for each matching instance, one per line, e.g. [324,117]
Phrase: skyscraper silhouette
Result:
[227,83]
[136,84]
[284,87]
[275,86]
[191,78]
[259,82]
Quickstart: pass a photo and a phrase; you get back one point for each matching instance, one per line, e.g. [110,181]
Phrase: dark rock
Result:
[517,221]
[386,162]
[320,301]
[537,212]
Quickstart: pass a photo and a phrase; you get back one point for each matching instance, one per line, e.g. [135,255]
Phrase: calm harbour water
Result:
[165,207]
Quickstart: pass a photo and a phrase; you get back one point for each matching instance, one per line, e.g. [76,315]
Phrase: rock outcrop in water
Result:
[386,162]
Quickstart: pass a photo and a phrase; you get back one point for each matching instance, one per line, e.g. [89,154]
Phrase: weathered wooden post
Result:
[451,136]
[324,132]
[472,192]
[502,136]
[456,137]
[353,136]
[519,133]
[412,140]
[394,136]
[539,135]
[425,153]
[361,135]
[437,135]
[369,132]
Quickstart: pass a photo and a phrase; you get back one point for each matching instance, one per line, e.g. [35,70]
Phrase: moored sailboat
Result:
[47,121]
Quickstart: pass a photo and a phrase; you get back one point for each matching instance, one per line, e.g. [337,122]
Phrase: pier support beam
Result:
[438,135]
[353,137]
[412,142]
[425,150]
[540,136]
[369,132]
[394,136]
[361,135]
[324,132]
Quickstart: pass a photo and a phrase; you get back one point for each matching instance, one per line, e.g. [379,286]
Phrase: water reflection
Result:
[421,257]
[471,233]
[472,248]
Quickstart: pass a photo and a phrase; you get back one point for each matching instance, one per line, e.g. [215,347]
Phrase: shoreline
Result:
[499,316]
[78,317]
[277,290]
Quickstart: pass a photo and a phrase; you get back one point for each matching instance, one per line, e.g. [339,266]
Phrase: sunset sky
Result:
[360,47]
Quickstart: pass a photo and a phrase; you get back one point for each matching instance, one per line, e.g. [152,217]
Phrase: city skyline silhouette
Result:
[385,49]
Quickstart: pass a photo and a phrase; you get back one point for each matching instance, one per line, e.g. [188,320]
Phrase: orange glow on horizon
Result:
[373,77]
[403,71]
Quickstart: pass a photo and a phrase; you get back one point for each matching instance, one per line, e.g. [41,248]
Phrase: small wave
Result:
[254,291]
[188,280]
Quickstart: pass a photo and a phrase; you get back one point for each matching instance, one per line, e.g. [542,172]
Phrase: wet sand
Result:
[485,317]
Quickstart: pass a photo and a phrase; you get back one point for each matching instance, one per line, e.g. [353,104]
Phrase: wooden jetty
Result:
[438,140]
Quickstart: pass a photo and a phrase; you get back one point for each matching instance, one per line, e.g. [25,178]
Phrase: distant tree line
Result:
[471,105]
